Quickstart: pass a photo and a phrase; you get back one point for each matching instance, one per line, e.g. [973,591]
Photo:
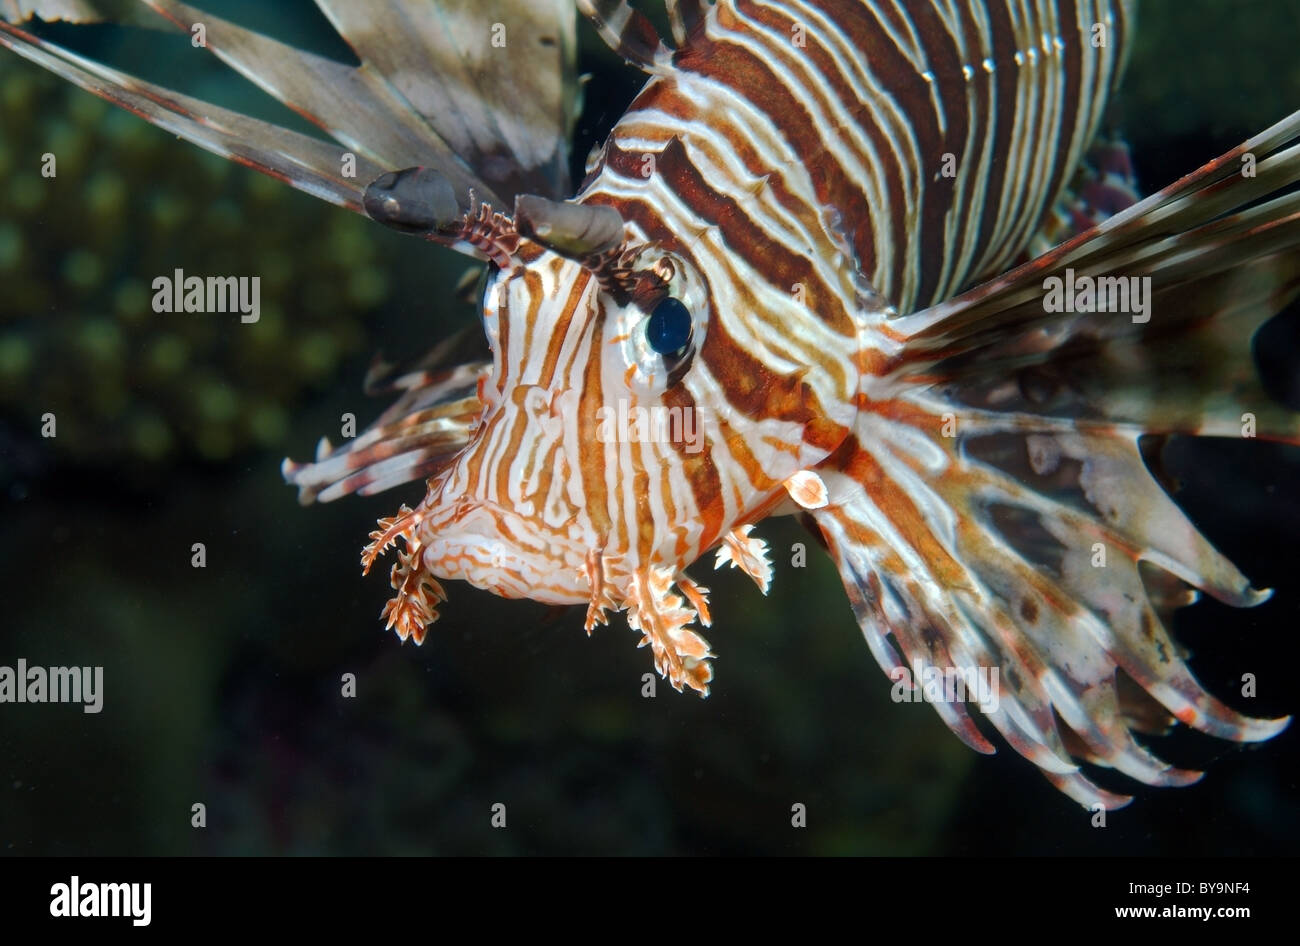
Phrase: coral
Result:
[78,256]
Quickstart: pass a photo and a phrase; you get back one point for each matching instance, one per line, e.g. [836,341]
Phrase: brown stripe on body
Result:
[998,110]
[780,267]
[835,188]
[639,212]
[792,346]
[922,243]
[560,329]
[894,75]
[639,506]
[520,416]
[666,97]
[644,216]
[699,469]
[750,77]
[473,467]
[952,93]
[533,289]
[591,451]
[755,391]
[514,436]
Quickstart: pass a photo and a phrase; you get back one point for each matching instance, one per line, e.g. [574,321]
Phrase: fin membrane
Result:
[993,508]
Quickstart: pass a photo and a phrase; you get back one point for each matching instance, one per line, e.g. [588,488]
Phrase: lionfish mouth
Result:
[500,551]
[503,552]
[481,543]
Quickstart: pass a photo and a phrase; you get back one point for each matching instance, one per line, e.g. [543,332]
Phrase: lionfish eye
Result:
[668,330]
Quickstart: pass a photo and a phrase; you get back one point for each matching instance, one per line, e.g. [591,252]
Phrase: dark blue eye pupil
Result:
[668,330]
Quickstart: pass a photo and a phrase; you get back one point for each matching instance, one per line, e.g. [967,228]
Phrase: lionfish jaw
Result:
[414,607]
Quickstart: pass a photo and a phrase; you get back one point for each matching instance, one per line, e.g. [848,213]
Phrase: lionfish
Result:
[823,231]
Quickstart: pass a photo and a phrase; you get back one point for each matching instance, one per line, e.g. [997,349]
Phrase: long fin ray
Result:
[993,506]
[411,440]
[1215,255]
[629,32]
[458,63]
[356,106]
[928,560]
[306,163]
[435,89]
[1194,201]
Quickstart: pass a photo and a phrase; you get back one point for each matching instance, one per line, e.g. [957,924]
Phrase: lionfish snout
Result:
[512,555]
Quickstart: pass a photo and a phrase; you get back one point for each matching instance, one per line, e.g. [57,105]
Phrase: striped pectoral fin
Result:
[1146,319]
[1103,185]
[628,31]
[1012,474]
[906,627]
[417,436]
[1047,576]
[1082,510]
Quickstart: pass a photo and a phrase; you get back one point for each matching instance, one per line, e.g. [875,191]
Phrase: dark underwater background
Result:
[222,684]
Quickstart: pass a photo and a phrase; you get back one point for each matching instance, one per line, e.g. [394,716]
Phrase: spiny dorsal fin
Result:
[313,166]
[496,79]
[69,11]
[627,31]
[437,87]
[358,107]
[685,17]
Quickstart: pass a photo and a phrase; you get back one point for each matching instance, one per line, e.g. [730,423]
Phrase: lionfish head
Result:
[622,433]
